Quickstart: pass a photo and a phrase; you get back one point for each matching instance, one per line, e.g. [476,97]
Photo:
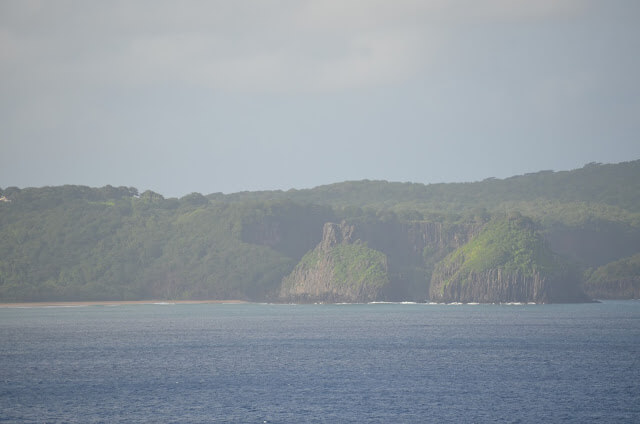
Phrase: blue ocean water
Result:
[255,363]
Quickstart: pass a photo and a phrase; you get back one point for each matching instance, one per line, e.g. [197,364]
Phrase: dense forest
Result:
[371,240]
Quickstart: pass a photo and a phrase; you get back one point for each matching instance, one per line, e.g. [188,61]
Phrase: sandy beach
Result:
[111,303]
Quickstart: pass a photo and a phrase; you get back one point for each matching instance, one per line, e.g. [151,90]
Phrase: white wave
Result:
[62,306]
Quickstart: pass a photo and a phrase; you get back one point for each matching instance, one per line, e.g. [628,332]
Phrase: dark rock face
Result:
[412,238]
[335,234]
[411,250]
[625,288]
[497,286]
[595,245]
[437,236]
[287,228]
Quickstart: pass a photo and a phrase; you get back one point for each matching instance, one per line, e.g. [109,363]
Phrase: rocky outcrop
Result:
[335,234]
[497,286]
[507,262]
[616,280]
[412,249]
[415,238]
[339,269]
[437,236]
[624,288]
[404,252]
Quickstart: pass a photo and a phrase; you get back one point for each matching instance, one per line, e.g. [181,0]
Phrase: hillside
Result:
[114,243]
[618,280]
[339,269]
[614,188]
[509,261]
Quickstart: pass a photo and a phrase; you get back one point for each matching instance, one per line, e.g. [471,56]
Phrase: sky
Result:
[226,96]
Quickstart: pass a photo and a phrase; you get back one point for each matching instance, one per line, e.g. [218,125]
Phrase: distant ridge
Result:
[616,184]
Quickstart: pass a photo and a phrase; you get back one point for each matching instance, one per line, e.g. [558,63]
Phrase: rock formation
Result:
[339,269]
[616,280]
[507,262]
[623,288]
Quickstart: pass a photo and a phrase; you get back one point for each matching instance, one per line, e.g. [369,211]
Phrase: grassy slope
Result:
[626,268]
[353,265]
[512,244]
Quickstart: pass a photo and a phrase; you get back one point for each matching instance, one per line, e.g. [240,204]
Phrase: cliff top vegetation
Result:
[511,243]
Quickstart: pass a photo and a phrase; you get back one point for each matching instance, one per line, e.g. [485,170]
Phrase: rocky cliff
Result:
[412,249]
[405,252]
[507,262]
[498,286]
[339,269]
[616,280]
[623,288]
[595,243]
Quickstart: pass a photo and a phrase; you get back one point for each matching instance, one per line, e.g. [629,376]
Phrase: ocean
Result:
[263,363]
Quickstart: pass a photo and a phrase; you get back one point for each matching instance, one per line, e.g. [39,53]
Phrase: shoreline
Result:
[114,303]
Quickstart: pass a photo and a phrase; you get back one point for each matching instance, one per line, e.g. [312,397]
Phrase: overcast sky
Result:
[237,95]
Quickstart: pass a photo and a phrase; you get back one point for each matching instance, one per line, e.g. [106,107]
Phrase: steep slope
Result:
[339,269]
[507,262]
[616,280]
[412,249]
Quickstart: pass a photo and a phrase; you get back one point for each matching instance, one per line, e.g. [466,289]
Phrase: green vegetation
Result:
[508,261]
[618,280]
[342,272]
[82,243]
[356,265]
[512,244]
[596,190]
[623,269]
[76,243]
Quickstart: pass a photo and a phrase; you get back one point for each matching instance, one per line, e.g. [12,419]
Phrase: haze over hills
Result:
[350,241]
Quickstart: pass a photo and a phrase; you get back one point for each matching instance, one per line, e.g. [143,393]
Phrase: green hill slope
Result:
[337,270]
[616,280]
[508,261]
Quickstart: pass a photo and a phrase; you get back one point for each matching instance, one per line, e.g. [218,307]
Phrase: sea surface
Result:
[261,363]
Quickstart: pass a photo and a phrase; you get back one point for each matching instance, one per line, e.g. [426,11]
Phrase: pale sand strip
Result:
[114,302]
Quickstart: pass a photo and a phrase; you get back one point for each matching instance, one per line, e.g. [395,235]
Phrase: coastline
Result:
[112,303]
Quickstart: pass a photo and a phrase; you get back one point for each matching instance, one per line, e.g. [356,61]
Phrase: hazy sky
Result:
[238,95]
